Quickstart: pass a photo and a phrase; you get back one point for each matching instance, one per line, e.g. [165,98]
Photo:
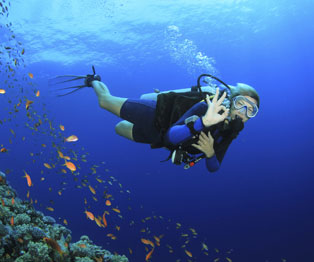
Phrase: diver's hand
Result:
[212,116]
[90,78]
[205,144]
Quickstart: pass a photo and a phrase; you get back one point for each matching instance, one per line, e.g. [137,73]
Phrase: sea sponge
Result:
[85,248]
[49,220]
[3,230]
[116,258]
[81,249]
[37,252]
[22,231]
[58,231]
[2,178]
[2,251]
[86,239]
[21,219]
[37,233]
[6,214]
[83,259]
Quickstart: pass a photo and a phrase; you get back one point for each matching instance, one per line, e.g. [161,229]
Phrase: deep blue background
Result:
[260,202]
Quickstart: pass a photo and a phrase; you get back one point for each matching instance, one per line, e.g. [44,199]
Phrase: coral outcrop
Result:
[27,235]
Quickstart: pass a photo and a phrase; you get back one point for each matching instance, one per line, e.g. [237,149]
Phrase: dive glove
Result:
[90,78]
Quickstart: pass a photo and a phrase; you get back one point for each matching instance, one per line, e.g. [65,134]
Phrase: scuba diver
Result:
[194,124]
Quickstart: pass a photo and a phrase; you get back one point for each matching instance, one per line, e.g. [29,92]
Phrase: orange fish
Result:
[104,219]
[28,103]
[98,222]
[28,178]
[50,208]
[157,239]
[108,196]
[149,254]
[70,166]
[3,150]
[82,245]
[112,236]
[27,195]
[30,75]
[116,210]
[47,165]
[71,138]
[2,201]
[95,199]
[147,242]
[53,244]
[65,221]
[90,215]
[60,154]
[23,51]
[2,91]
[12,221]
[20,240]
[67,158]
[108,203]
[37,93]
[92,189]
[12,201]
[61,127]
[63,171]
[188,253]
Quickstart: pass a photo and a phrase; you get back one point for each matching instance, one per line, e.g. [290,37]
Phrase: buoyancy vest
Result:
[171,106]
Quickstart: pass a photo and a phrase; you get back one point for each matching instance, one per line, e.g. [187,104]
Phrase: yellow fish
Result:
[71,138]
[116,210]
[92,189]
[47,165]
[60,154]
[188,253]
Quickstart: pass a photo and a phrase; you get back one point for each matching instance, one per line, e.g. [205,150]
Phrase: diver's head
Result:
[244,102]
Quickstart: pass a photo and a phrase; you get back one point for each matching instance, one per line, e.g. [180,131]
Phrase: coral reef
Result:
[27,235]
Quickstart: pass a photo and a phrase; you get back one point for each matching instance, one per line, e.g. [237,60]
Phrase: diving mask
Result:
[239,104]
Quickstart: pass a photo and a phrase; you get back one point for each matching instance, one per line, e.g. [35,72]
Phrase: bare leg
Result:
[124,128]
[106,101]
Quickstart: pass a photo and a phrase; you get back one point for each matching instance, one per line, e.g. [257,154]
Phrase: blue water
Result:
[257,207]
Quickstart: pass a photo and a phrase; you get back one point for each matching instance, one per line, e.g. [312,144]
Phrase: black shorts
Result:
[141,113]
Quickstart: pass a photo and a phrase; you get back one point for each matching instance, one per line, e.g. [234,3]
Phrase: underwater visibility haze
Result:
[95,190]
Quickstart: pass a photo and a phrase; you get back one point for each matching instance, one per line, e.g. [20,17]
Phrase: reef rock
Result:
[27,235]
